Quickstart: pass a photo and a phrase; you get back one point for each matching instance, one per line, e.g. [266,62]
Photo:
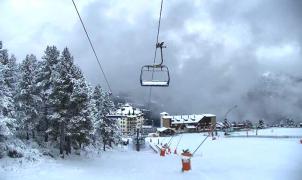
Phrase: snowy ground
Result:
[273,132]
[224,158]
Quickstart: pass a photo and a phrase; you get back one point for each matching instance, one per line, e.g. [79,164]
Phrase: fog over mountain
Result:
[220,53]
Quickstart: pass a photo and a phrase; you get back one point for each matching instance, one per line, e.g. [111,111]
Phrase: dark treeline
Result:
[48,101]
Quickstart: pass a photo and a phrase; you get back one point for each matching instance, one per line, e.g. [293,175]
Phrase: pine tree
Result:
[7,105]
[27,97]
[3,89]
[80,125]
[45,87]
[62,87]
[8,124]
[51,98]
[10,73]
[104,127]
[261,124]
[110,127]
[97,106]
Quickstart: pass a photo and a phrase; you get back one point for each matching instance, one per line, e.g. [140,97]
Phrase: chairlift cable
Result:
[155,51]
[179,141]
[158,29]
[200,144]
[92,47]
[179,138]
[204,140]
[170,141]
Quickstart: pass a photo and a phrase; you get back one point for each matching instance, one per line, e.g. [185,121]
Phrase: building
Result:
[148,129]
[163,131]
[129,119]
[188,123]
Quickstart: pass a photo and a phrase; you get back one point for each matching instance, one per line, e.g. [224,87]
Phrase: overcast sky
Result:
[217,49]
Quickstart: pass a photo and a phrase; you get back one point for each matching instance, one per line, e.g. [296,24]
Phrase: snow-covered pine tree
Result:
[104,129]
[8,124]
[97,106]
[27,97]
[11,74]
[45,86]
[248,124]
[93,117]
[109,127]
[60,96]
[80,125]
[261,124]
[7,105]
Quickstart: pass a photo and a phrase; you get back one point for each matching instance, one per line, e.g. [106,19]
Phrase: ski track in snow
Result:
[224,158]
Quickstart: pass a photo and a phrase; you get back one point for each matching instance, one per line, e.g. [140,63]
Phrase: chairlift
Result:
[155,70]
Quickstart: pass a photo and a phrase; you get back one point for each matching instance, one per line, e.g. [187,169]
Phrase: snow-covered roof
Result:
[190,127]
[219,124]
[128,109]
[188,119]
[168,117]
[146,126]
[114,116]
[161,129]
[164,113]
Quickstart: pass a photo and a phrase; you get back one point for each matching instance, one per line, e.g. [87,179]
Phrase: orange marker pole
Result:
[175,151]
[186,161]
[162,152]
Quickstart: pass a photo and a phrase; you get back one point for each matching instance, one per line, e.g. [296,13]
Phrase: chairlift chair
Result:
[156,69]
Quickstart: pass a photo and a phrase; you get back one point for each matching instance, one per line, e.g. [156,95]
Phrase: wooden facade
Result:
[189,123]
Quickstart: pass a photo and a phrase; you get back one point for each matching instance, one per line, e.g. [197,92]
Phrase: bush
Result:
[13,153]
[48,154]
[2,149]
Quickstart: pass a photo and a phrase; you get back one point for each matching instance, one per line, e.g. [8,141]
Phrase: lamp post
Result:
[225,118]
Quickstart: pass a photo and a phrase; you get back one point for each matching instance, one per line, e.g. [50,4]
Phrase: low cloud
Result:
[217,50]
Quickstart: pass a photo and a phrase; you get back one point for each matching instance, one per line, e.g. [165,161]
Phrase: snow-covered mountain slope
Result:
[224,158]
[274,98]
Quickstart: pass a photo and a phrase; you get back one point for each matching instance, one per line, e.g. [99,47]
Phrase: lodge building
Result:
[129,119]
[188,123]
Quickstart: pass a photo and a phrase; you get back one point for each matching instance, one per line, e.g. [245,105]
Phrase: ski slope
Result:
[224,158]
[273,132]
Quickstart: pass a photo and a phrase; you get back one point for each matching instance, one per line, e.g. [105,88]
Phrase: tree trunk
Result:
[111,138]
[27,135]
[68,145]
[137,140]
[33,134]
[47,124]
[62,138]
[55,136]
[110,142]
[45,137]
[104,145]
